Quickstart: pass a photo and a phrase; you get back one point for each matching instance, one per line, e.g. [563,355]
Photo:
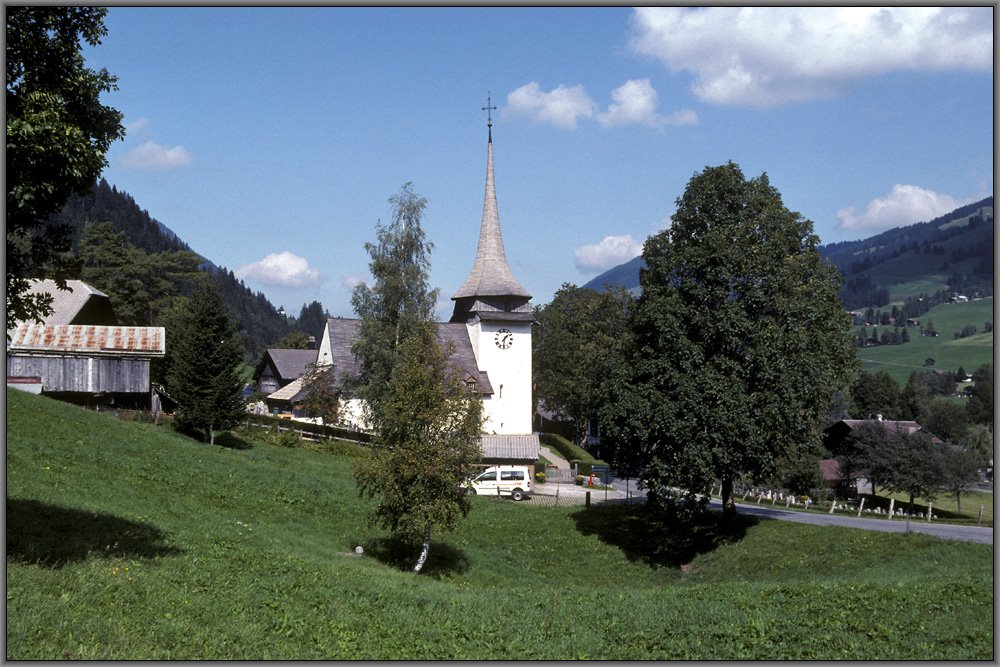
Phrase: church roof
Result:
[490,275]
[343,333]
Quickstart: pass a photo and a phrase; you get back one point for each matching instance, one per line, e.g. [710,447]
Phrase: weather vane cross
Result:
[489,109]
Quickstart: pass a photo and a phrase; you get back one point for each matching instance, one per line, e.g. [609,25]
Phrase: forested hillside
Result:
[917,266]
[152,253]
[953,253]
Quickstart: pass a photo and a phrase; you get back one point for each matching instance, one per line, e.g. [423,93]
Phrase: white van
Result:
[513,481]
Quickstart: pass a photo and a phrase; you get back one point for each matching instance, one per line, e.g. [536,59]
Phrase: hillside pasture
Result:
[948,352]
[129,542]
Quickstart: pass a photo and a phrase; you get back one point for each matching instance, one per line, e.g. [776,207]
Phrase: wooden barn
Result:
[88,364]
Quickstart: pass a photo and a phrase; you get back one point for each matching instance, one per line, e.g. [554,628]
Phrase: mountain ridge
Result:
[951,253]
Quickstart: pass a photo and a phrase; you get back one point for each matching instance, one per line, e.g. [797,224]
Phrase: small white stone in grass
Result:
[359,551]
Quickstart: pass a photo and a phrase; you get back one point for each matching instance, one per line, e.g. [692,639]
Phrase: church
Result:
[490,328]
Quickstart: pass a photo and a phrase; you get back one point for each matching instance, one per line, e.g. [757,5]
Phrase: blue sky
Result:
[270,139]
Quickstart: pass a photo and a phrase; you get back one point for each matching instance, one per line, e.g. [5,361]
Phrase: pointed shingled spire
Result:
[490,275]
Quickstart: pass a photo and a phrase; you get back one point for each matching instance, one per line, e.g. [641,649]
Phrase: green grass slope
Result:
[948,352]
[125,541]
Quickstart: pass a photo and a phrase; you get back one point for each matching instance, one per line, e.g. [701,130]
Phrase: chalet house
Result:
[836,434]
[835,437]
[281,367]
[843,487]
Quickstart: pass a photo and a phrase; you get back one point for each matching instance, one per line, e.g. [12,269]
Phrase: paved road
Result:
[945,530]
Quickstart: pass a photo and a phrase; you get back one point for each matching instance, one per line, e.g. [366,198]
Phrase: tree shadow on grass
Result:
[52,536]
[230,440]
[442,561]
[650,535]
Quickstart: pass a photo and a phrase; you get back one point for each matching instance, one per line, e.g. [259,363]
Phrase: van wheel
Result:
[517,494]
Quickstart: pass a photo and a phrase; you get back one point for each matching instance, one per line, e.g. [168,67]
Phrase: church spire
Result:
[490,275]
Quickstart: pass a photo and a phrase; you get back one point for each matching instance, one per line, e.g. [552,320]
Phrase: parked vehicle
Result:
[504,480]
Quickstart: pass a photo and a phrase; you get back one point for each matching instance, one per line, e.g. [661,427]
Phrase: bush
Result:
[339,447]
[540,477]
[566,449]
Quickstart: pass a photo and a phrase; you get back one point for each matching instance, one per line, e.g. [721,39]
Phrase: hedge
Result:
[566,449]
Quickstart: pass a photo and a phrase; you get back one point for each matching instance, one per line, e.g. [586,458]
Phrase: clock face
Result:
[504,338]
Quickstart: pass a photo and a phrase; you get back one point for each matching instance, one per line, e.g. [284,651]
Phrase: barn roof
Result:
[80,303]
[88,340]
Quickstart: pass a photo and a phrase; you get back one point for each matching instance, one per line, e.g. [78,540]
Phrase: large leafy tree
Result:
[869,450]
[205,354]
[58,133]
[739,340]
[578,343]
[427,422]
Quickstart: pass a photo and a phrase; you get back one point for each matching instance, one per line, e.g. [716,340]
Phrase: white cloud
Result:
[611,251]
[772,56]
[905,205]
[561,106]
[139,126]
[152,155]
[350,282]
[281,269]
[635,103]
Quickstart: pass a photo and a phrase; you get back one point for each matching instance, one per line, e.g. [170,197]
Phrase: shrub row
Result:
[568,450]
[315,429]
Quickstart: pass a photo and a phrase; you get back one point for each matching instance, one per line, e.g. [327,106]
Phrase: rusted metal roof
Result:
[87,339]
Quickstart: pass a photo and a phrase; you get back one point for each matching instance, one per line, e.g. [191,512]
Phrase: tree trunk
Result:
[423,552]
[728,506]
[211,434]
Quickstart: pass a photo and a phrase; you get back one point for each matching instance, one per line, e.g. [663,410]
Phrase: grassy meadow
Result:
[128,542]
[948,352]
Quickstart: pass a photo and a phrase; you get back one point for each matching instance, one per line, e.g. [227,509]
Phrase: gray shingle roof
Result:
[523,447]
[291,364]
[343,333]
[490,275]
[81,304]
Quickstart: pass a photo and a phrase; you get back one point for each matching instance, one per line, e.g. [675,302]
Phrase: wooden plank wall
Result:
[84,374]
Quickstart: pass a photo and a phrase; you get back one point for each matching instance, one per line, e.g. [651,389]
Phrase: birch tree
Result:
[427,422]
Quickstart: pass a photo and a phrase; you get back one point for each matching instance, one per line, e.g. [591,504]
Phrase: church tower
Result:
[495,309]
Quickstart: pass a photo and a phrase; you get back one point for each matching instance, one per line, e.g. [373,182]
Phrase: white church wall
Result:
[508,410]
